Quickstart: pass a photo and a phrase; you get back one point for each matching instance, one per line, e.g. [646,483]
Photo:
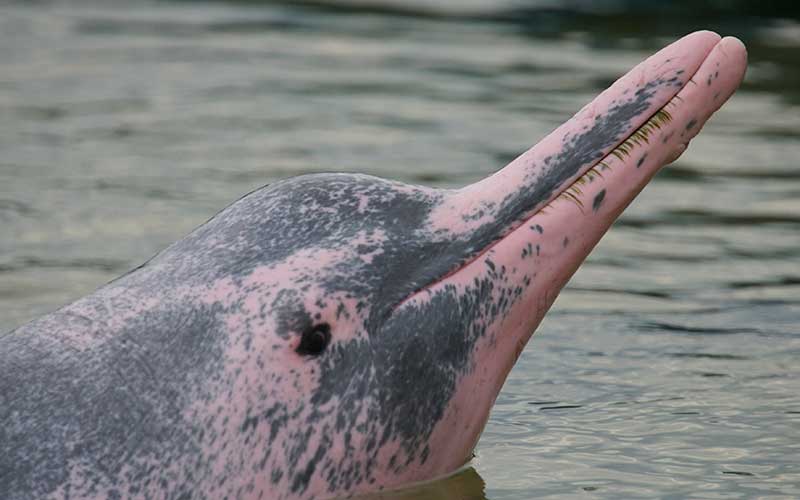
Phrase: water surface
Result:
[667,368]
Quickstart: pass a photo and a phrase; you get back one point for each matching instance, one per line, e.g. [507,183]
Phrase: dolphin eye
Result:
[314,340]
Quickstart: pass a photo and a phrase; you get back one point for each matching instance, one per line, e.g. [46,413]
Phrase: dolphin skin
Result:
[335,334]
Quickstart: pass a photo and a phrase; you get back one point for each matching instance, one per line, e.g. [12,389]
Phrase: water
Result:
[668,367]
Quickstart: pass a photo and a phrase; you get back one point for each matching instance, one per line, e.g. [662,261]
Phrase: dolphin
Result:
[335,334]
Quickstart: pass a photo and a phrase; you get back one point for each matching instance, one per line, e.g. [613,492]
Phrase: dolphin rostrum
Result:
[335,334]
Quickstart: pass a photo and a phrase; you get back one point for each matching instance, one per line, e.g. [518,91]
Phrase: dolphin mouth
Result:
[637,139]
[570,192]
[660,112]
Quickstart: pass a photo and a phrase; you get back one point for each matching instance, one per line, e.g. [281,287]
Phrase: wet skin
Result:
[337,333]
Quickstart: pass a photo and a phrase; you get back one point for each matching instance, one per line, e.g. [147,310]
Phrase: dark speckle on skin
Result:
[527,251]
[565,243]
[691,124]
[598,200]
[641,160]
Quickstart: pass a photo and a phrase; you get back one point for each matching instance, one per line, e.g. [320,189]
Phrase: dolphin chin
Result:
[335,334]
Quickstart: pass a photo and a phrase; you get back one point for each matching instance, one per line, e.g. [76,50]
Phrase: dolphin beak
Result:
[587,205]
[553,203]
[621,112]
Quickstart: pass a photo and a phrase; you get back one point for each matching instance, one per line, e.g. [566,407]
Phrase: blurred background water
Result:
[667,368]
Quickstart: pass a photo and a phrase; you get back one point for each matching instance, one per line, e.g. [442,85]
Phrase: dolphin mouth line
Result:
[640,137]
[571,192]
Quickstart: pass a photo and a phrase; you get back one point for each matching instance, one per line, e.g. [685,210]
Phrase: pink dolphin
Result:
[335,334]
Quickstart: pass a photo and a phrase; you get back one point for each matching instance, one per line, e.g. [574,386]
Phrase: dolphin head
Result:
[373,323]
[347,333]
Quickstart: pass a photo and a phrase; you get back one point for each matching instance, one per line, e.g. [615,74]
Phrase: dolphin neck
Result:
[94,404]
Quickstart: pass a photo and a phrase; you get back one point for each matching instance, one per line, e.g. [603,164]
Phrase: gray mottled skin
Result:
[137,390]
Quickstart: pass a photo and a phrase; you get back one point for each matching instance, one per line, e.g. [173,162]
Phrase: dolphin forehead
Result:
[320,211]
[341,234]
